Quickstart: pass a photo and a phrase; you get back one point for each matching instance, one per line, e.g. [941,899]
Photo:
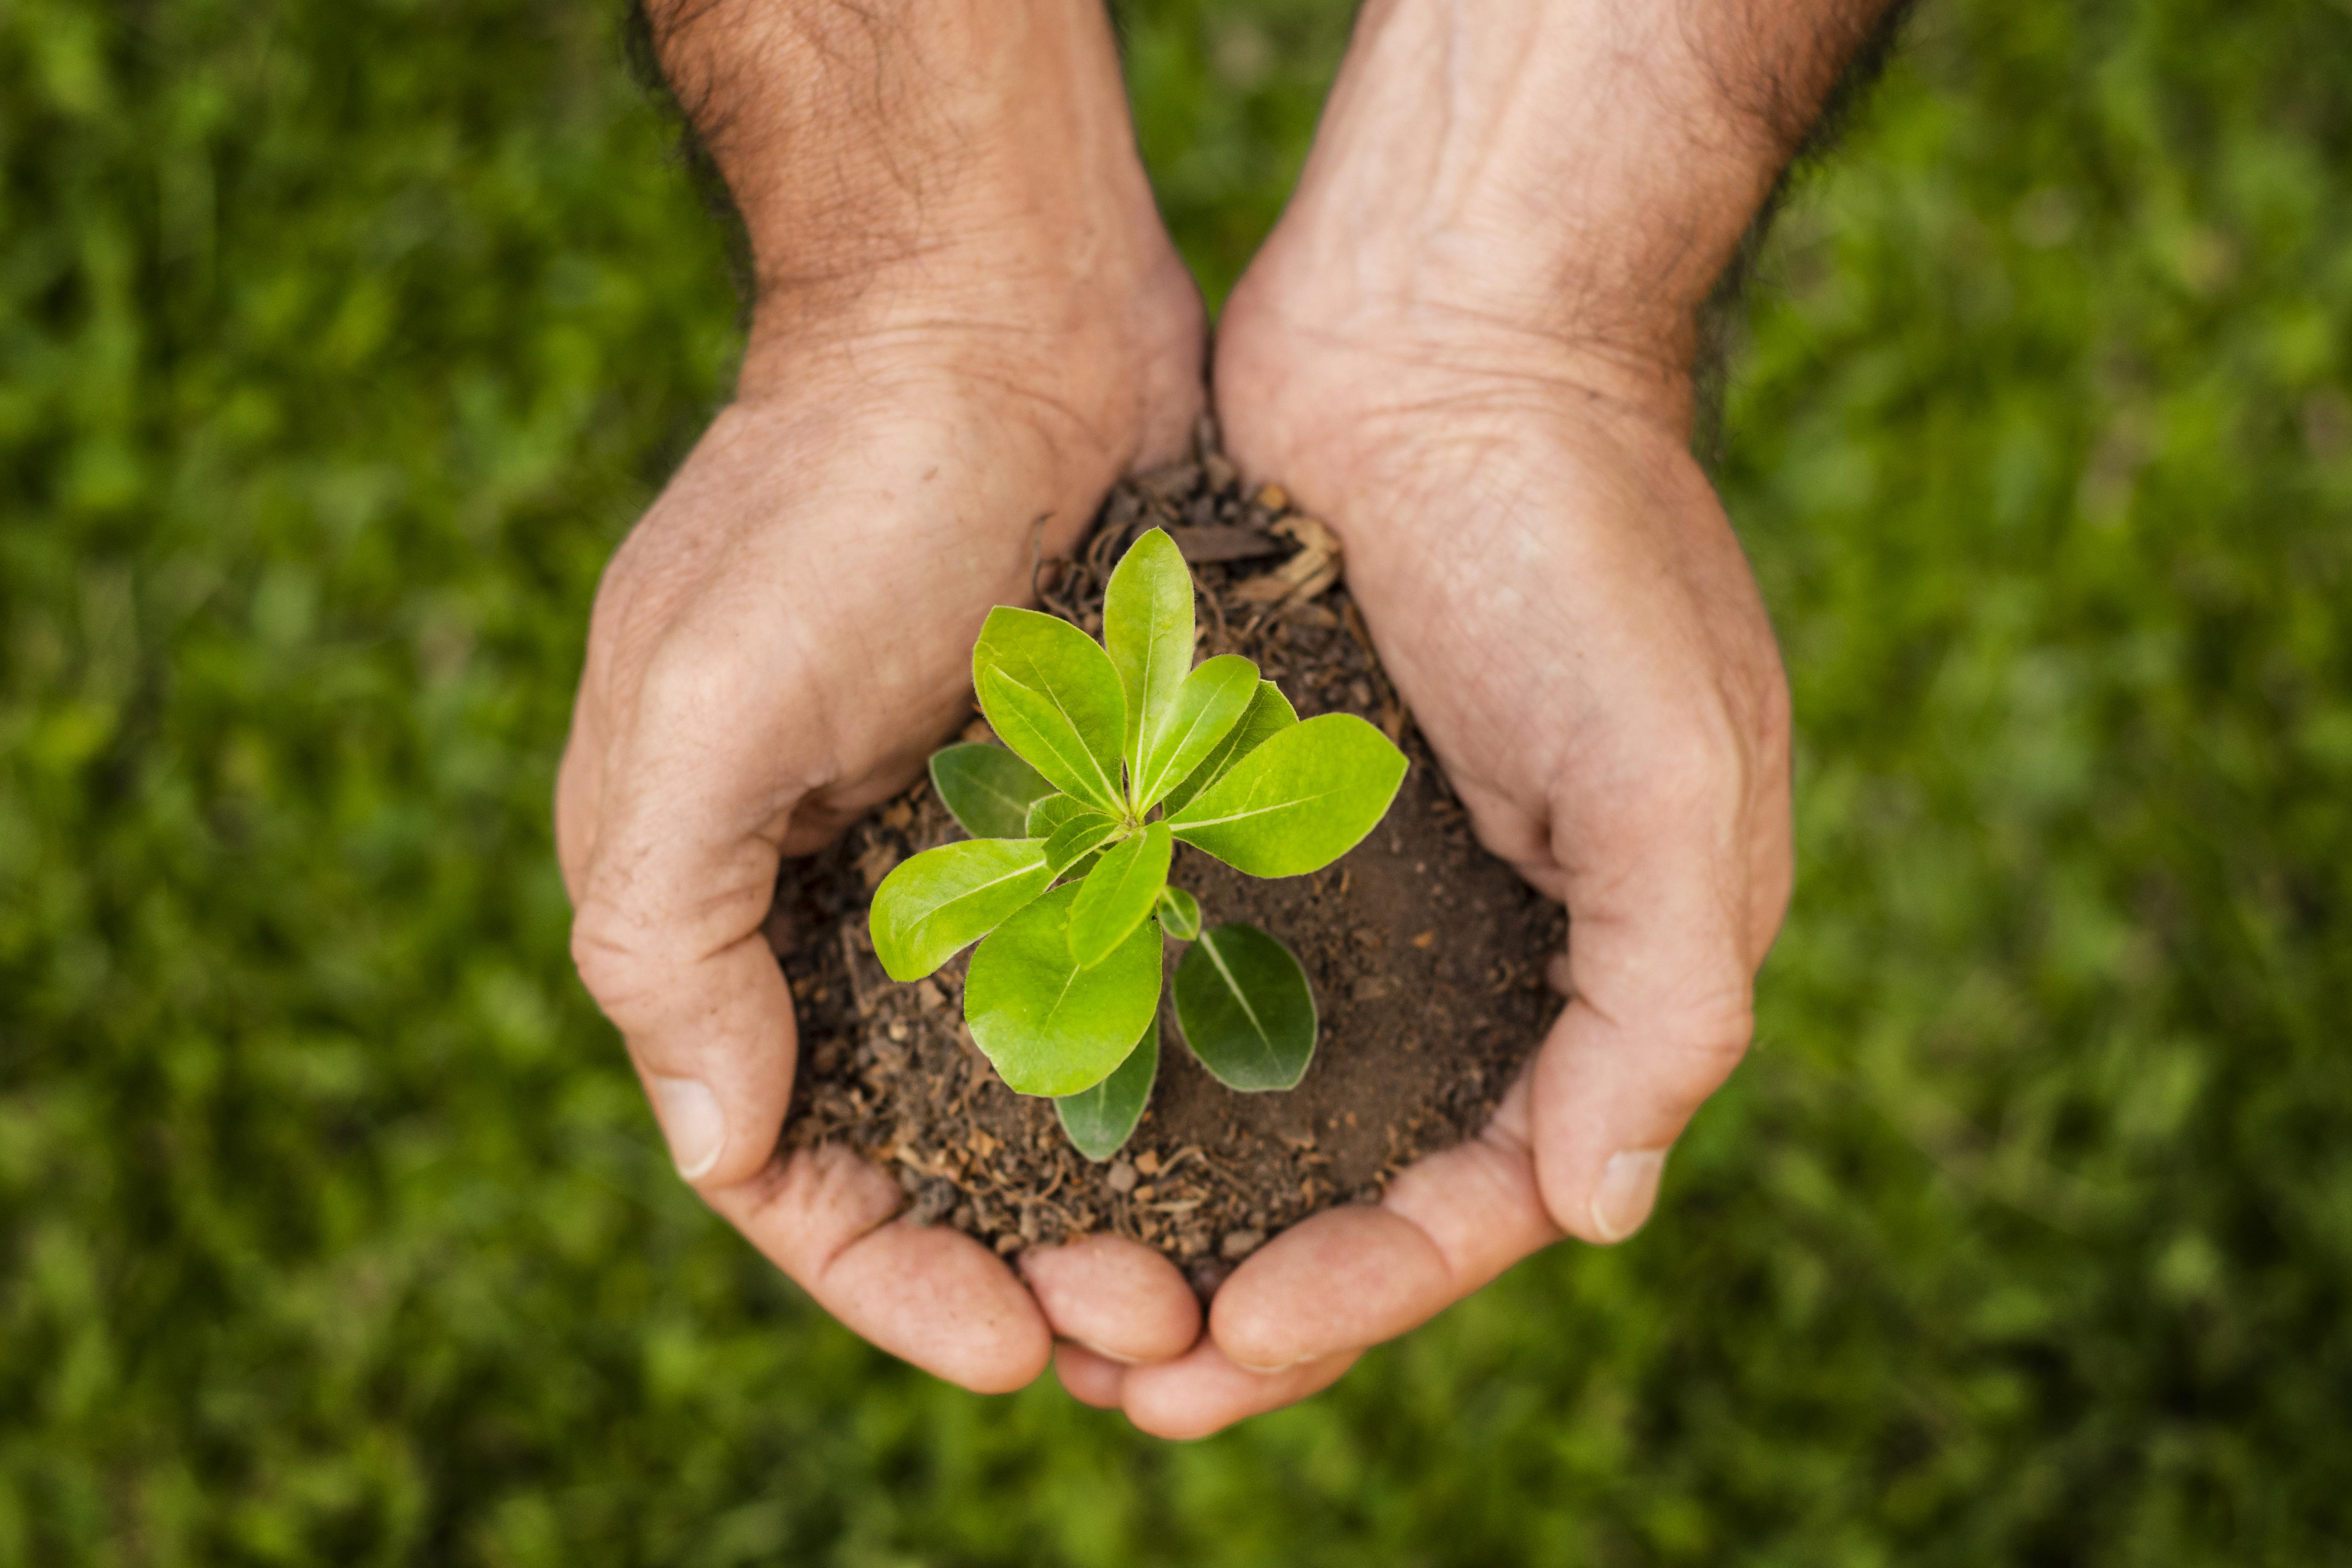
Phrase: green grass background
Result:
[339,340]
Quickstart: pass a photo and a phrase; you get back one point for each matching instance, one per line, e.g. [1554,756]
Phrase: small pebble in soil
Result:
[1120,1178]
[1240,1244]
[934,1203]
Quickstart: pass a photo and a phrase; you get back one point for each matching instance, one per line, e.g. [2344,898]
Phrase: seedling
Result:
[1117,751]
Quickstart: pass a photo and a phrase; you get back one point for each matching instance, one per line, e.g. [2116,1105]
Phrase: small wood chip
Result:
[876,863]
[1147,1162]
[1310,533]
[1240,1244]
[1272,588]
[1273,497]
[1222,542]
[1425,939]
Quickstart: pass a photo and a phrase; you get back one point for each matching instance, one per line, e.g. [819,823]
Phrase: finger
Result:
[1351,1277]
[1118,1298]
[1661,965]
[1088,1378]
[930,1295]
[1202,1392]
[692,799]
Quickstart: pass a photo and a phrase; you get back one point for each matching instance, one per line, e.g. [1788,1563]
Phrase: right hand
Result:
[775,649]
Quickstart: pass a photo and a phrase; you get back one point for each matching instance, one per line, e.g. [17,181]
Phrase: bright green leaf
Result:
[1050,693]
[987,789]
[1245,1008]
[1101,1119]
[936,903]
[1270,712]
[1148,630]
[1083,834]
[1300,801]
[1048,815]
[1207,708]
[1180,914]
[1119,894]
[1049,1027]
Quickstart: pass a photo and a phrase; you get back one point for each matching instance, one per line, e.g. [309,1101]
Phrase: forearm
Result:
[1575,170]
[901,165]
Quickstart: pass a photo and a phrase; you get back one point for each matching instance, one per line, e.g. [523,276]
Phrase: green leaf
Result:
[1148,629]
[1300,801]
[1180,914]
[1120,893]
[1245,1008]
[1270,712]
[1049,1027]
[1101,1119]
[987,789]
[1207,708]
[1081,835]
[1051,694]
[936,903]
[1049,813]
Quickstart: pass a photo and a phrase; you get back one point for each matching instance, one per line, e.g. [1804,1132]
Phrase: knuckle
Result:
[1707,1037]
[617,962]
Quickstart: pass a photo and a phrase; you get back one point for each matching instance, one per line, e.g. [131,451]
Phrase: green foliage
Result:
[1100,1119]
[1269,710]
[1179,913]
[1050,693]
[988,790]
[1120,893]
[339,345]
[1206,710]
[1050,1025]
[1080,834]
[1246,1009]
[1118,726]
[1301,799]
[934,905]
[1147,632]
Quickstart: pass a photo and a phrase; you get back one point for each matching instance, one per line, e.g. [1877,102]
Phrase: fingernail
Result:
[1106,1355]
[692,1122]
[1270,1370]
[1628,1191]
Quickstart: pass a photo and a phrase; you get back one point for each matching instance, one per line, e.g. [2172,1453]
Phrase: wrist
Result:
[899,164]
[1550,185]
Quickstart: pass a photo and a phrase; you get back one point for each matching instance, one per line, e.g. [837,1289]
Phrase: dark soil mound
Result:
[1427,956]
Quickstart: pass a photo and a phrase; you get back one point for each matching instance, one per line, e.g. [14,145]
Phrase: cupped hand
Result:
[774,649]
[1561,603]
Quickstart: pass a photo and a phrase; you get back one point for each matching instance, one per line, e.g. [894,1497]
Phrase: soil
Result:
[1427,956]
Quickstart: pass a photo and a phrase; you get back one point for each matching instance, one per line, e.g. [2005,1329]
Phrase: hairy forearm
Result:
[1576,170]
[910,158]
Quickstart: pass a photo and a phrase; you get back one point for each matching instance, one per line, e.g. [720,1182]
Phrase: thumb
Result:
[667,936]
[1660,979]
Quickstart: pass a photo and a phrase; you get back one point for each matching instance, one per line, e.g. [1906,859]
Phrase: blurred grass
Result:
[338,345]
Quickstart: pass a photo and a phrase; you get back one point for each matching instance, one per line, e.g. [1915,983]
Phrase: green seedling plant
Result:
[1113,752]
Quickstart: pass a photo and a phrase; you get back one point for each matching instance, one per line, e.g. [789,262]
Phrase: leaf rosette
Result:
[1113,754]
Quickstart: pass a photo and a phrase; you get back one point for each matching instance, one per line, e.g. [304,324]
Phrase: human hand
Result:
[787,631]
[1467,347]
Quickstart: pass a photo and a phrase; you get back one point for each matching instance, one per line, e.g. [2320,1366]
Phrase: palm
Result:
[1560,602]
